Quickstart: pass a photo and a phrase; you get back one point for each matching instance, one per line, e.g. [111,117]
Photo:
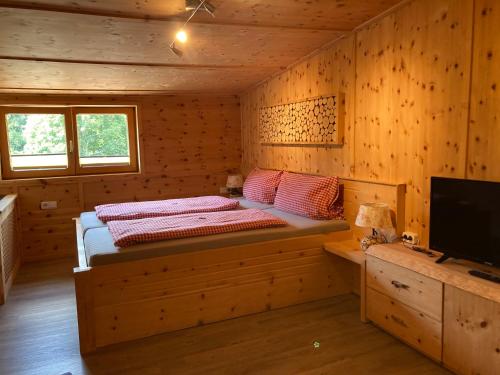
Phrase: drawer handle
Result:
[399,285]
[399,321]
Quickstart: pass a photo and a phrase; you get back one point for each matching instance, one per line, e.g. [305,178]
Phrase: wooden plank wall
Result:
[484,130]
[357,192]
[327,73]
[189,144]
[413,80]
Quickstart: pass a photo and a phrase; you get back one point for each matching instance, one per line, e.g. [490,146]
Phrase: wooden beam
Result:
[50,35]
[132,63]
[135,16]
[29,76]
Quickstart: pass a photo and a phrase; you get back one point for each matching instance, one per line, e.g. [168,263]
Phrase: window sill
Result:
[69,179]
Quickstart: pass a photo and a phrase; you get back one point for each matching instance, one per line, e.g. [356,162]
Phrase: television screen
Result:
[465,219]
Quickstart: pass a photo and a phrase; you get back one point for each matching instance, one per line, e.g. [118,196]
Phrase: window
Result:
[105,139]
[64,141]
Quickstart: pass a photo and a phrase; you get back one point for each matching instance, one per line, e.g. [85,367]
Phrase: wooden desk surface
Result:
[348,249]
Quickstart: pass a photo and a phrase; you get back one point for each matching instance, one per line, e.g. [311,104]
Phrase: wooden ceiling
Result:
[122,46]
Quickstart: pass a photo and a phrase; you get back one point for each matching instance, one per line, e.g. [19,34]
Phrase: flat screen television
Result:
[465,219]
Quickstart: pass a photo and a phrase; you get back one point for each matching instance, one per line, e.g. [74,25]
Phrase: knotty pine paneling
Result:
[412,95]
[45,76]
[484,129]
[320,14]
[407,79]
[124,45]
[327,73]
[188,146]
[40,34]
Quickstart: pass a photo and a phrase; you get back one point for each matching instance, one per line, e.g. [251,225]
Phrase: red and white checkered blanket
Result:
[131,232]
[169,207]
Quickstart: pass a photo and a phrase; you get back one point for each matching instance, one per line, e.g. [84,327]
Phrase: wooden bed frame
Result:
[130,300]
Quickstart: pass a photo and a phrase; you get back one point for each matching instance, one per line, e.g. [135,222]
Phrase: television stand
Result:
[485,276]
[439,309]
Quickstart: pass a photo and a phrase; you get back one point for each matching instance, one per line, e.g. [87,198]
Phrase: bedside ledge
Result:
[347,249]
[452,272]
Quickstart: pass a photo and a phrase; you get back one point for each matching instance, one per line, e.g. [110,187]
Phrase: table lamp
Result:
[234,184]
[376,216]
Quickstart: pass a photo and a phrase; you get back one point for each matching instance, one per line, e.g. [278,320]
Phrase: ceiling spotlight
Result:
[193,6]
[181,36]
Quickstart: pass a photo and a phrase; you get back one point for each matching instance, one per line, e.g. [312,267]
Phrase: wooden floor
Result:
[38,335]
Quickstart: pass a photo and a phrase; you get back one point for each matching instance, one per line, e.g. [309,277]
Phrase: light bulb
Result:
[181,36]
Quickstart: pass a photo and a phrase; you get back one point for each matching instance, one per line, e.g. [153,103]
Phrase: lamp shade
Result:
[374,215]
[234,181]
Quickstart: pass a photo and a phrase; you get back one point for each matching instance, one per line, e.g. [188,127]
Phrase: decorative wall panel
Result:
[312,121]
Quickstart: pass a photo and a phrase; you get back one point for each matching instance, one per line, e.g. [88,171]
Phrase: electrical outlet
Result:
[48,205]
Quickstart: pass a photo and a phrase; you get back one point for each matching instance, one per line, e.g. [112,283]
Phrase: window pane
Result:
[37,141]
[103,139]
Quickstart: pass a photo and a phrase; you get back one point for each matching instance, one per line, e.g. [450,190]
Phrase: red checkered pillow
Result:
[310,196]
[261,185]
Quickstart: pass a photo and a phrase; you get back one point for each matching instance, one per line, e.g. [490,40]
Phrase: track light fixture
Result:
[192,6]
[175,50]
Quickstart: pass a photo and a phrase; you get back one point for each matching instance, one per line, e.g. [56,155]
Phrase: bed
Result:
[100,249]
[126,294]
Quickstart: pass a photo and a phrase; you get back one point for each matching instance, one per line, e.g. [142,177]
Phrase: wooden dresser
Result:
[439,309]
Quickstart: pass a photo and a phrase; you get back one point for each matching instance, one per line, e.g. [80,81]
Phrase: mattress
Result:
[100,250]
[89,220]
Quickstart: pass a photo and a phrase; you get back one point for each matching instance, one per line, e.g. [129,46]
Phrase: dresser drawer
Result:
[413,327]
[413,289]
